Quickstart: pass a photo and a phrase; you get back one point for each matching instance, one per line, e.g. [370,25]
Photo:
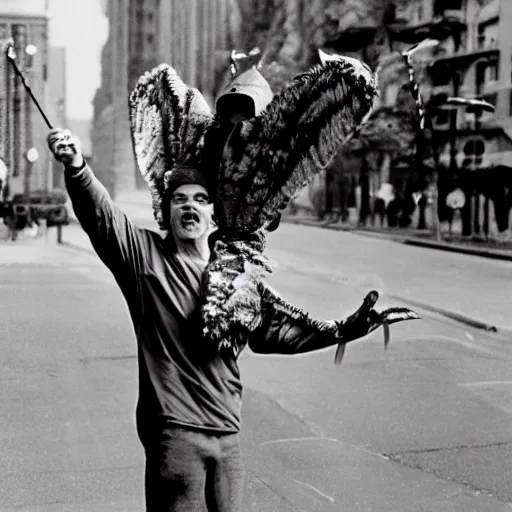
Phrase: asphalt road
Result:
[423,426]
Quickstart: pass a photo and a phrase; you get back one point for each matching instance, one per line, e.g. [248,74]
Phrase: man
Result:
[188,411]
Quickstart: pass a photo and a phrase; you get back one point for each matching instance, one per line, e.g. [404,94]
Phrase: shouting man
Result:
[189,403]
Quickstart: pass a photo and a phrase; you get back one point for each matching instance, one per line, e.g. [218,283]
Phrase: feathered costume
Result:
[262,163]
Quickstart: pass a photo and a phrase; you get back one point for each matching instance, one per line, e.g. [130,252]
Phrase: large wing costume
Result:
[168,122]
[263,162]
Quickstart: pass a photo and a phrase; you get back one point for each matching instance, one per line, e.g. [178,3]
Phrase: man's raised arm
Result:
[117,242]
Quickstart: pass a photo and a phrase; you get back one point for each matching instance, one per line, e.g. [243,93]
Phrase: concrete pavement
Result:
[385,432]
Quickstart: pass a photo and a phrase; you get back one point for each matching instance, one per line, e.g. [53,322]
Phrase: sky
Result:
[81,27]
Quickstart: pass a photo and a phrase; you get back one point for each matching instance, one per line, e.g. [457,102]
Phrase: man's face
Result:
[191,212]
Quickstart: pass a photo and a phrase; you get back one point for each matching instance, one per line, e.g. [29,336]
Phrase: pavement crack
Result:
[399,457]
[396,455]
[263,482]
[87,360]
[79,471]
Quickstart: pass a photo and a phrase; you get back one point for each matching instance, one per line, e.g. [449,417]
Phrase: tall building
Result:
[56,106]
[21,126]
[195,37]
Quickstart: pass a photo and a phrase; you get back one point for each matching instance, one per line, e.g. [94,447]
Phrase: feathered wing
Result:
[389,129]
[168,121]
[264,162]
[275,154]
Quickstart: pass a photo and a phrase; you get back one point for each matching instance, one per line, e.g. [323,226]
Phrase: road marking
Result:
[485,383]
[297,439]
[312,487]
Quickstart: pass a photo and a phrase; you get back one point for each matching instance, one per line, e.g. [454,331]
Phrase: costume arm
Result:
[115,239]
[286,329]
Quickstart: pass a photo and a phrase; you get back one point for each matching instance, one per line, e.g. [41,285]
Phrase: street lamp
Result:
[425,122]
[32,155]
[11,57]
[31,49]
[476,107]
[472,105]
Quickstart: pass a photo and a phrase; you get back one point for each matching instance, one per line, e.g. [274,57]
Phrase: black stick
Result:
[28,89]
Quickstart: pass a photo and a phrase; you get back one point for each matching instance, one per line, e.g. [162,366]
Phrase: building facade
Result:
[22,128]
[473,60]
[55,102]
[195,37]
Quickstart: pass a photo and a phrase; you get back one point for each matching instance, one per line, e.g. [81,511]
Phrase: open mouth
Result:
[189,218]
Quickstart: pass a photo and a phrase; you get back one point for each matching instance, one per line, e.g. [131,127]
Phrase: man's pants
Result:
[193,471]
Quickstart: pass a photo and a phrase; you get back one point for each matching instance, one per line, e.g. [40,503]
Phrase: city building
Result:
[55,103]
[195,37]
[473,60]
[22,129]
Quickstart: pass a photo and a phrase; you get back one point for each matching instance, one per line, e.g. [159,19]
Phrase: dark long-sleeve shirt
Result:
[183,379]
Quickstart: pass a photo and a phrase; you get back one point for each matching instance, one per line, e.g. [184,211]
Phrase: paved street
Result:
[424,426]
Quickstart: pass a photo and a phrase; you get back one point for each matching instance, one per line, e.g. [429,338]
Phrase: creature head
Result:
[241,61]
[244,97]
[361,69]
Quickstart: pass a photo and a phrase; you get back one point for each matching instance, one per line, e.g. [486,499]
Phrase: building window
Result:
[481,37]
[446,5]
[3,120]
[420,12]
[488,34]
[442,117]
[150,38]
[492,74]
[491,98]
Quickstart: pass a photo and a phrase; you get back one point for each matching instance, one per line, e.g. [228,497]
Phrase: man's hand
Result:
[65,147]
[366,319]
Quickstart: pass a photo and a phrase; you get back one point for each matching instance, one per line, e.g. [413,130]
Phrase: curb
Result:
[77,247]
[458,317]
[483,253]
[408,240]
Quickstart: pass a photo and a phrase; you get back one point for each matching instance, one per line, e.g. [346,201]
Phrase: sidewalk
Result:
[45,251]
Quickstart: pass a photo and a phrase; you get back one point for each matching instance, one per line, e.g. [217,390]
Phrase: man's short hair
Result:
[183,175]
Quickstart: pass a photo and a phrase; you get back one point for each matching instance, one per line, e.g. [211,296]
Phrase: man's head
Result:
[187,204]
